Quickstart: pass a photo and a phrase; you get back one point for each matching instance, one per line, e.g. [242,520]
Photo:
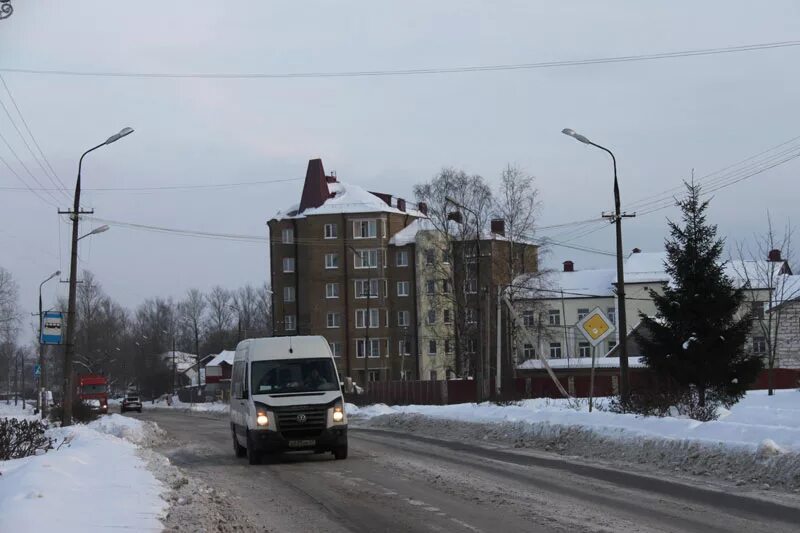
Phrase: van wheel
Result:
[340,453]
[253,457]
[238,449]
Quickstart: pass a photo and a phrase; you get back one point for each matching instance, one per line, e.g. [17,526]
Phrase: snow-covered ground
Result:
[95,481]
[758,420]
[17,411]
[756,443]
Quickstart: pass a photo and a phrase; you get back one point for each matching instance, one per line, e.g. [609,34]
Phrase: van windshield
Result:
[293,375]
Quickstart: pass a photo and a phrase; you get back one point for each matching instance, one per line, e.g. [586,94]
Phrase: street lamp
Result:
[66,417]
[42,383]
[617,217]
[95,231]
[481,364]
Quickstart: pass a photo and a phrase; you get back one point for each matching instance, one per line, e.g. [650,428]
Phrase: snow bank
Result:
[94,482]
[205,407]
[748,424]
[9,410]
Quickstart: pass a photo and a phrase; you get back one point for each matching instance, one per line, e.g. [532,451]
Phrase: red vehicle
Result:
[93,390]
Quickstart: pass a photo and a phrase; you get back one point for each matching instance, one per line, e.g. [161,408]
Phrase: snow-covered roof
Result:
[576,284]
[408,235]
[348,198]
[580,362]
[223,356]
[645,267]
[183,360]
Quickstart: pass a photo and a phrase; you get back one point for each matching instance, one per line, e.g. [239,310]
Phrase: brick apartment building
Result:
[369,272]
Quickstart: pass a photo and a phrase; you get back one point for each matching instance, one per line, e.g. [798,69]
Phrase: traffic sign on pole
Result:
[37,370]
[52,330]
[596,326]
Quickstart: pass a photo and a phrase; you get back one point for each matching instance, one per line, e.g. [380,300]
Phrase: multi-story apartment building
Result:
[395,297]
[551,309]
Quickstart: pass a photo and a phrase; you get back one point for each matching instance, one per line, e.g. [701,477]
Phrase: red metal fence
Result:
[535,386]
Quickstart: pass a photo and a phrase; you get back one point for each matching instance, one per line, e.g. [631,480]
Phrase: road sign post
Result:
[595,327]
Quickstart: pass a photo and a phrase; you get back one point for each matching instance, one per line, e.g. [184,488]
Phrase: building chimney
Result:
[401,204]
[774,256]
[423,208]
[637,250]
[569,266]
[315,189]
[387,198]
[498,226]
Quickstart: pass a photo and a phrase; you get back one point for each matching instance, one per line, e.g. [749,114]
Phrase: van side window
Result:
[238,368]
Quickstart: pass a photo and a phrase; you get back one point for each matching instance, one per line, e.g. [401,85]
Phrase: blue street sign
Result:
[52,330]
[37,370]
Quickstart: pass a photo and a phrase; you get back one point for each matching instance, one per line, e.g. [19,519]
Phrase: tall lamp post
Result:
[481,365]
[66,417]
[42,382]
[617,217]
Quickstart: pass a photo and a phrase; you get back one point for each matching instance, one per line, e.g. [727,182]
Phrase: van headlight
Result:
[262,416]
[337,415]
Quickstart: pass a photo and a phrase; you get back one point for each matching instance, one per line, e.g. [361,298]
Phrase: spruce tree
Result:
[696,341]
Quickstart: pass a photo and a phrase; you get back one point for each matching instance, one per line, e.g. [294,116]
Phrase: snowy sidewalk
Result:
[95,482]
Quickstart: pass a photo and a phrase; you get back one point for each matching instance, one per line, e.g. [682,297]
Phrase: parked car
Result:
[131,403]
[94,405]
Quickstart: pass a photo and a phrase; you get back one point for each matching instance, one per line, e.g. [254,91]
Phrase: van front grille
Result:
[301,421]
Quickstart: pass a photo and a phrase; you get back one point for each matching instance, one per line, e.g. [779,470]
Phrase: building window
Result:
[366,259]
[612,314]
[759,345]
[470,316]
[472,346]
[366,288]
[434,376]
[471,286]
[446,288]
[554,317]
[431,347]
[448,346]
[402,288]
[287,236]
[331,231]
[289,322]
[288,264]
[432,316]
[336,349]
[288,294]
[365,320]
[757,310]
[584,349]
[365,229]
[445,256]
[447,316]
[406,375]
[528,351]
[402,318]
[331,290]
[528,319]
[334,320]
[402,258]
[373,347]
[555,350]
[582,314]
[374,375]
[430,257]
[404,347]
[331,261]
[430,286]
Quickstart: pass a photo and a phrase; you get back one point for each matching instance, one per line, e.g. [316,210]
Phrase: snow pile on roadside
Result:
[748,424]
[124,427]
[95,481]
[369,411]
[205,407]
[758,440]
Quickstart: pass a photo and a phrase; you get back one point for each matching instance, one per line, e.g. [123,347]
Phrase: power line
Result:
[167,187]
[14,172]
[57,182]
[416,71]
[22,163]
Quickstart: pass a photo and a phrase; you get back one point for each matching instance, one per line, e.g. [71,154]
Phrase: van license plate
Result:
[301,443]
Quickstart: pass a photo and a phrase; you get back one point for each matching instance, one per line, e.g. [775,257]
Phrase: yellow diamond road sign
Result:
[596,326]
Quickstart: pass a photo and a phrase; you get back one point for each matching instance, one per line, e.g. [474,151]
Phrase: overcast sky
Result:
[662,118]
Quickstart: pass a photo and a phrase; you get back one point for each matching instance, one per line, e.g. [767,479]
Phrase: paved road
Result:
[408,483]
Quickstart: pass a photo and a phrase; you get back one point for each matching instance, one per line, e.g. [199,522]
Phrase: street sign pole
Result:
[595,327]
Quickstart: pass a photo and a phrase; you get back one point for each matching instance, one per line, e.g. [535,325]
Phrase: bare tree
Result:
[245,300]
[262,321]
[192,318]
[9,324]
[769,287]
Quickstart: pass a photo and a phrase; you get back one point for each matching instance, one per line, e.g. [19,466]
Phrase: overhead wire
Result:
[415,71]
[23,165]
[36,193]
[51,175]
